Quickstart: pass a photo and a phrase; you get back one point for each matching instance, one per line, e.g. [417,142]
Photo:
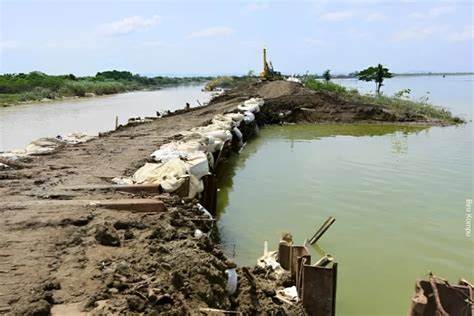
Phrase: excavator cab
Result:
[268,73]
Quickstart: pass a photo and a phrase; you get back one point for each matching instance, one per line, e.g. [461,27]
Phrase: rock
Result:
[106,235]
[39,308]
[164,299]
[128,235]
[123,224]
[51,285]
[135,303]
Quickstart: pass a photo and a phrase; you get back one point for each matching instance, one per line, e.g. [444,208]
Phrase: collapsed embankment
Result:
[63,254]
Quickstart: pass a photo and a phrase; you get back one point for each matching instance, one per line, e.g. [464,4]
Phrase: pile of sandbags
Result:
[46,145]
[192,156]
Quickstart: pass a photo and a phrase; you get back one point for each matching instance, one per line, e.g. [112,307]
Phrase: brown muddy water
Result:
[21,124]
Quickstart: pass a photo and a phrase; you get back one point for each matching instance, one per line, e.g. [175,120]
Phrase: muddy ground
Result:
[59,255]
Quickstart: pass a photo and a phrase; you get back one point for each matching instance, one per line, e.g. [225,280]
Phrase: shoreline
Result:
[93,96]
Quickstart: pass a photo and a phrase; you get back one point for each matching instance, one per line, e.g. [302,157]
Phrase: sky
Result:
[227,37]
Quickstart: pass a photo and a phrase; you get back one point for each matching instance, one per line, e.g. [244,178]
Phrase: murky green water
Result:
[398,195]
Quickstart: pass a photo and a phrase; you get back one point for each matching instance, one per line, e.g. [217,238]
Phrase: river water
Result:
[398,195]
[21,124]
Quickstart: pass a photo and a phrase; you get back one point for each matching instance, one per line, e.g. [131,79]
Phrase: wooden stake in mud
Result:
[322,230]
[116,122]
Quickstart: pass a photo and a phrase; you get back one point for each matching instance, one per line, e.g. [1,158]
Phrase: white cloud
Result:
[314,41]
[11,45]
[212,31]
[154,44]
[337,16]
[418,33]
[129,25]
[466,34]
[256,6]
[433,13]
[438,32]
[375,17]
[356,33]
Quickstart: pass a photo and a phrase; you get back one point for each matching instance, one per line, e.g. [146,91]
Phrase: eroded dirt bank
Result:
[57,253]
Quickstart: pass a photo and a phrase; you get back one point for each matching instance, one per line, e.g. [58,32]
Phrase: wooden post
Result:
[116,122]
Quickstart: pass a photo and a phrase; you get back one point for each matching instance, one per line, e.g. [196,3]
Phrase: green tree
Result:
[377,74]
[327,75]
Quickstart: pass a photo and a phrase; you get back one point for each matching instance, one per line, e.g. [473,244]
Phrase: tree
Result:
[377,74]
[327,75]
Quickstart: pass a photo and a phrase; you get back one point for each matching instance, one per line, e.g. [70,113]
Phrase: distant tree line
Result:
[37,85]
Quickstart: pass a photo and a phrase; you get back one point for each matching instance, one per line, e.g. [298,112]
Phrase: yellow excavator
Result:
[268,73]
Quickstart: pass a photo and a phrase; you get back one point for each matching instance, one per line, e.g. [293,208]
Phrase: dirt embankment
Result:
[293,103]
[59,255]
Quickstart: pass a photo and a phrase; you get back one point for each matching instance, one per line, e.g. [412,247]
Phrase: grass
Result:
[397,104]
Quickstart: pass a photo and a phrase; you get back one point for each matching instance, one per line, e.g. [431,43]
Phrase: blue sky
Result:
[226,37]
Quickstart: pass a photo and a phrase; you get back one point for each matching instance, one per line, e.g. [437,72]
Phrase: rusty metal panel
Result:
[303,260]
[284,255]
[319,290]
[296,251]
[209,196]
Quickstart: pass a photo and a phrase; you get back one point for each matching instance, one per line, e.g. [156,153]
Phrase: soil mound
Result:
[291,102]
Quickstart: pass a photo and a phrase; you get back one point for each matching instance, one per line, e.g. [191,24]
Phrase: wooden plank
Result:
[132,188]
[136,205]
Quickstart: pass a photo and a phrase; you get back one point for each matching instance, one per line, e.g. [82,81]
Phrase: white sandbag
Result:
[220,134]
[166,154]
[252,105]
[43,146]
[269,259]
[249,117]
[289,293]
[254,101]
[196,186]
[122,180]
[169,175]
[231,281]
[13,155]
[77,137]
[198,164]
[215,144]
[236,117]
[293,79]
[225,122]
[237,133]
